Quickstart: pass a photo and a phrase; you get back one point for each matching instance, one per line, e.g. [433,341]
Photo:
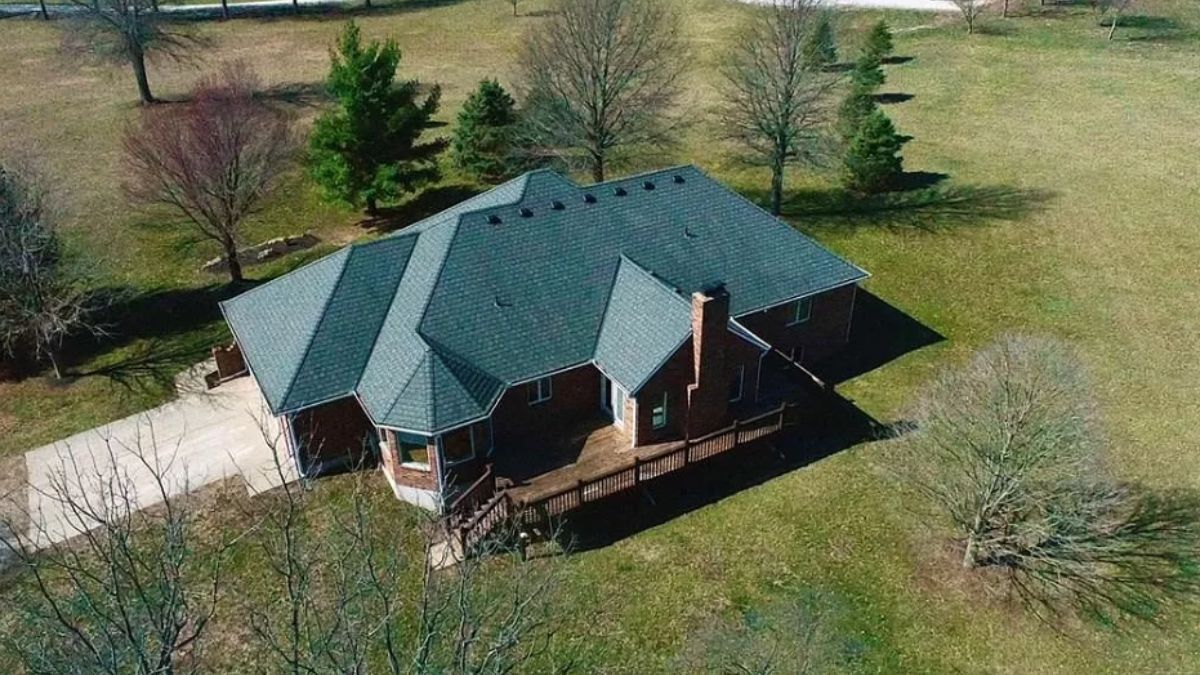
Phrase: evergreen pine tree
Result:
[367,149]
[858,105]
[482,144]
[879,40]
[820,48]
[873,159]
[868,72]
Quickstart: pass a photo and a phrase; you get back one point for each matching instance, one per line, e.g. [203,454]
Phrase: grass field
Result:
[1070,208]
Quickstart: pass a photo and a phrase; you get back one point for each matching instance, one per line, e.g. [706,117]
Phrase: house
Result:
[641,308]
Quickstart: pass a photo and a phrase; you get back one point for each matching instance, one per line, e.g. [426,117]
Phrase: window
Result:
[458,446]
[735,384]
[658,414]
[539,391]
[801,311]
[481,437]
[413,451]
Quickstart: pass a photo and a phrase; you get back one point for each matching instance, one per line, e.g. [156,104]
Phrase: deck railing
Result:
[474,497]
[622,479]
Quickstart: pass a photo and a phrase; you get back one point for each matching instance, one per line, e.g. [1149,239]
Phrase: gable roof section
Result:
[430,325]
[644,324]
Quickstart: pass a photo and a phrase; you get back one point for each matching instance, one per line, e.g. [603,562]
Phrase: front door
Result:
[612,399]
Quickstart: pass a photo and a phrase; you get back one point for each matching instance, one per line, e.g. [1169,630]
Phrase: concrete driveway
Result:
[200,438]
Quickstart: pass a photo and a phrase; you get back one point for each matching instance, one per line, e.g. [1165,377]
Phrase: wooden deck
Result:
[592,448]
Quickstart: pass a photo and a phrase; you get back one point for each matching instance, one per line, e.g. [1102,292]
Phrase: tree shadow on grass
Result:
[298,94]
[167,325]
[892,98]
[929,205]
[430,202]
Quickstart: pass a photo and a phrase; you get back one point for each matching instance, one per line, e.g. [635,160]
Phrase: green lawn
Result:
[1076,163]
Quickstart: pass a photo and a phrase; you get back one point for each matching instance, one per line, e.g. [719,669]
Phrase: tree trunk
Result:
[225,9]
[1113,28]
[1004,10]
[296,6]
[598,168]
[372,206]
[367,4]
[154,5]
[50,354]
[776,186]
[42,6]
[138,60]
[231,259]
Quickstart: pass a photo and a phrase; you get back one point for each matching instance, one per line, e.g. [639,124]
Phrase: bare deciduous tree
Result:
[1115,9]
[1008,450]
[342,576]
[126,31]
[112,588]
[601,77]
[42,294]
[971,10]
[213,159]
[776,100]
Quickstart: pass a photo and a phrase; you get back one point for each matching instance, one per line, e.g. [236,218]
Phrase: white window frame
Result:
[416,466]
[666,413]
[798,316]
[740,373]
[536,390]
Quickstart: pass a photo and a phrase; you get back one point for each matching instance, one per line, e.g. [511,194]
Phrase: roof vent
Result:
[647,185]
[557,205]
[620,192]
[677,178]
[494,219]
[687,232]
[589,198]
[500,302]
[525,212]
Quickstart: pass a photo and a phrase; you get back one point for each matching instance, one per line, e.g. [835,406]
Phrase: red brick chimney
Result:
[708,395]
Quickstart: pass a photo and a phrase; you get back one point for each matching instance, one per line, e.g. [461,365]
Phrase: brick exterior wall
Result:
[708,393]
[826,331]
[409,477]
[675,378]
[334,431]
[575,396]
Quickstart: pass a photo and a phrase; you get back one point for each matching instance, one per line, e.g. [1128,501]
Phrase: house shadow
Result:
[427,203]
[828,424]
[880,333]
[835,428]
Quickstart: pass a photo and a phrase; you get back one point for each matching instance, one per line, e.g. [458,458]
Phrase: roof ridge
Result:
[677,293]
[383,320]
[643,174]
[408,382]
[317,326]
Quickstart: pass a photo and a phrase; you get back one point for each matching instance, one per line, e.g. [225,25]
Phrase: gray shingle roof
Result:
[430,325]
